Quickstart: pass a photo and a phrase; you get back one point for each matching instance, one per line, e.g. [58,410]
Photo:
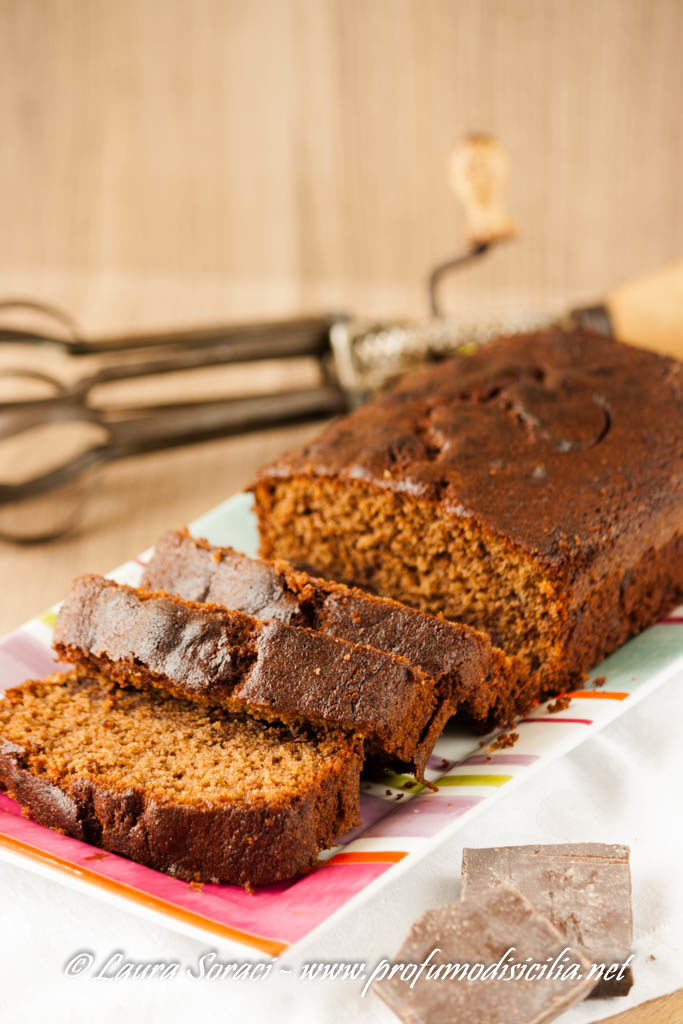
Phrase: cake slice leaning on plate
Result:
[188,789]
[266,668]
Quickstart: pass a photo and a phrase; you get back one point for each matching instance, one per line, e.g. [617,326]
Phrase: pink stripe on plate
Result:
[284,912]
[424,815]
[522,759]
[290,910]
[557,718]
[670,620]
[372,809]
[22,657]
[10,806]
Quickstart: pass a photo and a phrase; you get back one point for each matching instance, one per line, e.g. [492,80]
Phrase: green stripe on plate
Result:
[49,618]
[473,780]
[394,780]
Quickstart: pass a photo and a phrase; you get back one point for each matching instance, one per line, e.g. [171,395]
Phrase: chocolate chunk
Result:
[472,943]
[583,888]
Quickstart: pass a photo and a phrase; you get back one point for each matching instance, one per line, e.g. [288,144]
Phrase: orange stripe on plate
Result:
[597,694]
[270,946]
[369,857]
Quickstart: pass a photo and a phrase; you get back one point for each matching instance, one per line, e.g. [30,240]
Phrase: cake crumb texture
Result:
[192,790]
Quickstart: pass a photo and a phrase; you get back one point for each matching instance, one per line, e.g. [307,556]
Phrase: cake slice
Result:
[191,790]
[268,668]
[533,489]
[471,674]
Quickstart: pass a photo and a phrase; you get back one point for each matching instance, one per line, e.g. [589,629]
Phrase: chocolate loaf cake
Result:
[471,674]
[533,489]
[268,668]
[191,790]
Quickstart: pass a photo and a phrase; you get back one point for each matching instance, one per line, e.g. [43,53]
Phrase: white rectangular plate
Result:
[401,819]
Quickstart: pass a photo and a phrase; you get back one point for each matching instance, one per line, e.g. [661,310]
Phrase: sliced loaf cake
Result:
[472,674]
[267,668]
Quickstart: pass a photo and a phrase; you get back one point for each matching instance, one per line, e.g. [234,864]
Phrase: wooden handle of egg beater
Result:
[479,171]
[647,311]
[478,175]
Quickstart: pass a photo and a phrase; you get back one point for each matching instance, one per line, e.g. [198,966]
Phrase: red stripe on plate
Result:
[596,695]
[556,718]
[369,857]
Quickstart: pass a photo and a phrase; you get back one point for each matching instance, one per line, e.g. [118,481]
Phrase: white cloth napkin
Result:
[623,785]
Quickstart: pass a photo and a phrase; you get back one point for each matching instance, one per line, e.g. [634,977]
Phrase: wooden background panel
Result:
[165,160]
[299,146]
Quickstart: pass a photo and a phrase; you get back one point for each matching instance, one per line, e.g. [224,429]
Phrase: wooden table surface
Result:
[130,505]
[666,1010]
[309,139]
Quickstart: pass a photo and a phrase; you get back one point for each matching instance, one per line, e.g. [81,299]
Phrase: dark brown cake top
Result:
[558,441]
